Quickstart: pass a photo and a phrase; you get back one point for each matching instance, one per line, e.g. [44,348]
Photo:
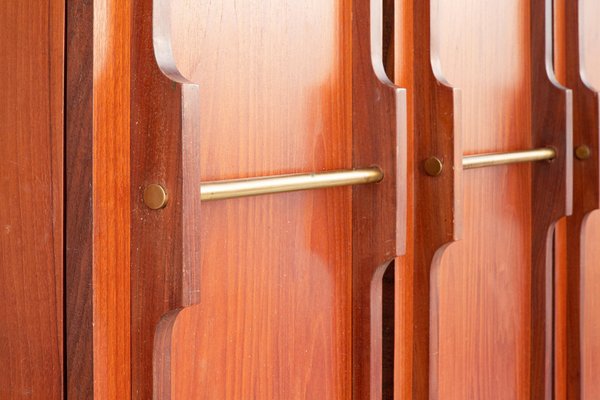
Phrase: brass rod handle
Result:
[512,157]
[433,166]
[230,189]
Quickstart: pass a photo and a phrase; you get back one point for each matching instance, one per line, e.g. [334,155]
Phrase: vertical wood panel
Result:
[274,318]
[590,314]
[31,217]
[111,206]
[79,165]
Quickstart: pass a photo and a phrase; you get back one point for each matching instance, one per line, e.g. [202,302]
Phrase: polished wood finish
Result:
[551,191]
[97,198]
[480,305]
[435,202]
[79,134]
[165,250]
[586,196]
[274,317]
[378,211]
[31,216]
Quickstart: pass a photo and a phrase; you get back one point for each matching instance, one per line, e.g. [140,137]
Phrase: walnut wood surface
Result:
[79,129]
[31,216]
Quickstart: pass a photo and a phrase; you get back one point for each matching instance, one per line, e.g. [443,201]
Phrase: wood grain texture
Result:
[480,290]
[552,190]
[31,218]
[378,211]
[79,165]
[589,53]
[111,207]
[274,317]
[164,149]
[586,198]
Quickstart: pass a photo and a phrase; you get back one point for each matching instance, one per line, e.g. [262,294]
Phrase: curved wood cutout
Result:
[378,211]
[437,204]
[165,251]
[586,192]
[551,199]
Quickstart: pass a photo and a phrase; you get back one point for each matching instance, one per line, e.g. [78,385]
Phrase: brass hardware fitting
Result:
[583,152]
[155,196]
[433,165]
[230,189]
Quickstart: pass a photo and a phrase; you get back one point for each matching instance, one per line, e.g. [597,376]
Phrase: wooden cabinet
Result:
[346,199]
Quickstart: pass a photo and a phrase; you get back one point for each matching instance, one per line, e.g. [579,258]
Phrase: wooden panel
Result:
[590,314]
[165,243]
[586,131]
[31,216]
[98,209]
[378,211]
[274,312]
[480,292]
[79,145]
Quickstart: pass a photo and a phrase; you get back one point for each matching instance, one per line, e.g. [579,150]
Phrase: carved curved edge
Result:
[165,142]
[379,124]
[551,190]
[438,200]
[586,188]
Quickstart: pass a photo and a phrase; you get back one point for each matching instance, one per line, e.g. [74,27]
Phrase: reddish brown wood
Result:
[379,138]
[274,318]
[586,196]
[165,247]
[437,203]
[79,129]
[551,191]
[31,216]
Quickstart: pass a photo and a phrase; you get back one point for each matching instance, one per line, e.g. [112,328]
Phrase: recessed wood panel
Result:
[31,216]
[590,316]
[274,316]
[482,281]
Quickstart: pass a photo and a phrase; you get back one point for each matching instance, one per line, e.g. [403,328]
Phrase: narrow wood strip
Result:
[110,194]
[164,149]
[551,191]
[79,212]
[378,211]
[438,200]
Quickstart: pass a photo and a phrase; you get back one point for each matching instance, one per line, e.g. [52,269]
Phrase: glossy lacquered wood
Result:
[480,286]
[586,131]
[165,247]
[274,312]
[31,216]
[378,211]
[97,199]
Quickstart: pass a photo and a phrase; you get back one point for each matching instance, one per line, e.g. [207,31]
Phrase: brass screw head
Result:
[583,152]
[433,166]
[155,196]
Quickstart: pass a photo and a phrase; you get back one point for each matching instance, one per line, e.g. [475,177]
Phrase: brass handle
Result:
[230,189]
[433,165]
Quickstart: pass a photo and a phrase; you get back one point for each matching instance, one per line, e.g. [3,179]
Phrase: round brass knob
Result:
[155,196]
[583,152]
[433,166]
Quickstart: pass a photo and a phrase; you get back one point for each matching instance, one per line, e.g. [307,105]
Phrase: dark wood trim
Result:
[551,125]
[79,349]
[378,211]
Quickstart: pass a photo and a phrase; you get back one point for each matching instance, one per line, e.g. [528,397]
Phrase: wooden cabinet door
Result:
[31,216]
